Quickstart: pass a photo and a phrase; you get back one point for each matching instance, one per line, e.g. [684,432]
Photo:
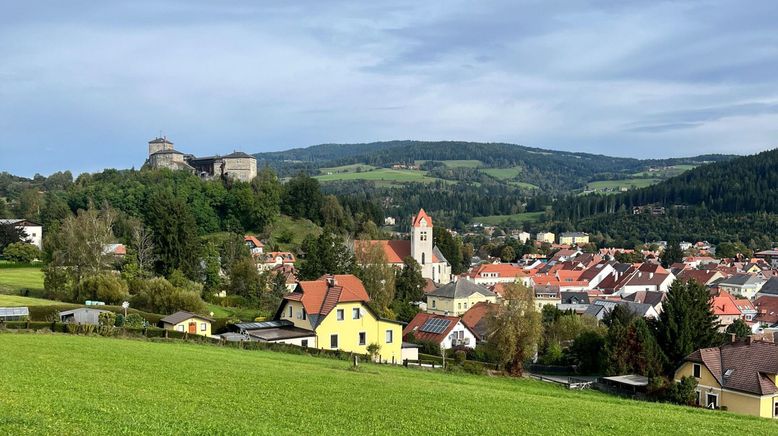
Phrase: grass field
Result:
[13,280]
[617,184]
[471,163]
[666,172]
[288,232]
[494,220]
[503,173]
[381,175]
[16,300]
[353,168]
[87,385]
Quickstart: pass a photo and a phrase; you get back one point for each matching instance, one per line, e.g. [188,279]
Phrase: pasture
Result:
[65,384]
[494,220]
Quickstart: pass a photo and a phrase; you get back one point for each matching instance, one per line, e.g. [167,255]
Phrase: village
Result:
[334,312]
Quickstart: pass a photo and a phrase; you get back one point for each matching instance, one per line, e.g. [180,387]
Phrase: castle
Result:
[236,165]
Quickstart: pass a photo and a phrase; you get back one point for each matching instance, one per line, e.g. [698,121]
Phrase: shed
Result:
[410,352]
[82,315]
[631,383]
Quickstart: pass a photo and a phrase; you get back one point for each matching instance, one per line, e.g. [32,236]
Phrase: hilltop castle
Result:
[236,165]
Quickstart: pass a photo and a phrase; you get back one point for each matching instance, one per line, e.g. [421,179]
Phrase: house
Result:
[769,288]
[456,298]
[742,285]
[277,331]
[523,237]
[648,277]
[275,259]
[116,250]
[769,256]
[446,331]
[573,238]
[433,264]
[476,319]
[740,377]
[82,315]
[14,314]
[33,231]
[595,274]
[766,311]
[546,295]
[255,245]
[236,165]
[600,308]
[546,237]
[654,298]
[726,309]
[492,273]
[577,302]
[705,277]
[334,309]
[187,322]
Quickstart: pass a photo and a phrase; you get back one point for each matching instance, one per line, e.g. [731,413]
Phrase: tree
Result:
[589,353]
[142,245]
[29,205]
[684,392]
[687,322]
[333,216]
[507,254]
[302,198]
[245,281]
[21,252]
[55,209]
[325,254]
[672,254]
[276,292]
[175,233]
[78,246]
[108,288]
[451,248]
[409,283]
[732,249]
[515,328]
[739,328]
[377,276]
[158,295]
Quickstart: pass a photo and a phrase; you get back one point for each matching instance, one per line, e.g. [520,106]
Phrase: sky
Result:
[84,85]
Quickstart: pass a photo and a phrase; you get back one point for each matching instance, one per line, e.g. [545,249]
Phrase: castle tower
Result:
[159,144]
[421,240]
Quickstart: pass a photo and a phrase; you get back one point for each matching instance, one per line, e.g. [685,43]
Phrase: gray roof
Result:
[244,326]
[82,309]
[169,151]
[575,234]
[20,221]
[182,315]
[461,289]
[436,252]
[14,311]
[160,141]
[239,154]
[770,287]
[281,333]
[574,297]
[602,307]
[740,280]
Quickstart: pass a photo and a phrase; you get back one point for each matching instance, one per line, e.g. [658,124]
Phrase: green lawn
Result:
[503,173]
[494,220]
[13,280]
[90,385]
[16,300]
[617,184]
[289,233]
[347,168]
[243,314]
[381,175]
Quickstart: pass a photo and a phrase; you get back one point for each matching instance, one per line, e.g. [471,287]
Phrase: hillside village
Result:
[454,313]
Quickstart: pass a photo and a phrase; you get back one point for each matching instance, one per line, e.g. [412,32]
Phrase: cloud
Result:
[94,81]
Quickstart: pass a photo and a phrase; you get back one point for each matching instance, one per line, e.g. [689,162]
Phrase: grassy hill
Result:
[88,385]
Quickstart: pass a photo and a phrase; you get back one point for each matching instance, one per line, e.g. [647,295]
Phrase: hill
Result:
[554,171]
[177,388]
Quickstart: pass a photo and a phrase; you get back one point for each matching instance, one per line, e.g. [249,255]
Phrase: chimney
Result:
[732,338]
[650,275]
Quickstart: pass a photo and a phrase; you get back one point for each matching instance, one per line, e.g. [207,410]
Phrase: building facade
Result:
[236,165]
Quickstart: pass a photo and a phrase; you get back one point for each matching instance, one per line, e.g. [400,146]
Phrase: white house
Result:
[446,331]
[33,231]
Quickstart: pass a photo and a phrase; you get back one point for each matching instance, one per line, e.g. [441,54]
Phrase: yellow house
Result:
[335,309]
[740,377]
[545,237]
[456,298]
[187,322]
[573,238]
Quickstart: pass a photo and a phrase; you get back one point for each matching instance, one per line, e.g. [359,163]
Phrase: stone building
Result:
[236,165]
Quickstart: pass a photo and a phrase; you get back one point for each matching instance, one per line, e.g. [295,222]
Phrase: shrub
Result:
[134,320]
[160,296]
[683,392]
[107,319]
[21,252]
[108,288]
[460,356]
[119,320]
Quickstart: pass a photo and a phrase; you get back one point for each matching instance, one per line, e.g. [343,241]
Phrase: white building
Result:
[33,232]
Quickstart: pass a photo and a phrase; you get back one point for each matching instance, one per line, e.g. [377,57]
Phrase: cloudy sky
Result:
[85,84]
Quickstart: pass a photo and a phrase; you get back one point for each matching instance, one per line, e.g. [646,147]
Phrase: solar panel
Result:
[435,325]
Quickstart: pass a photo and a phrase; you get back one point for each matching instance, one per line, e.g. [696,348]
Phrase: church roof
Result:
[417,220]
[396,250]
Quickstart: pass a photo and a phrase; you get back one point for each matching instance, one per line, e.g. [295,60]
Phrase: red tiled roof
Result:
[766,309]
[741,366]
[724,304]
[502,269]
[421,215]
[420,319]
[253,240]
[701,276]
[395,250]
[322,295]
[475,317]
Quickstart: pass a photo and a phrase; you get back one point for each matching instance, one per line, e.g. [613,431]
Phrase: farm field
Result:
[381,175]
[16,300]
[180,388]
[493,220]
[13,280]
[626,183]
[353,168]
[469,163]
[503,173]
[666,172]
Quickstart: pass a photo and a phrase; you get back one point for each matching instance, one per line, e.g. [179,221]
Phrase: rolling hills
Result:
[89,385]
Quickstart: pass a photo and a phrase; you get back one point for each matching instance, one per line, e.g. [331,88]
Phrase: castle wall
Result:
[244,169]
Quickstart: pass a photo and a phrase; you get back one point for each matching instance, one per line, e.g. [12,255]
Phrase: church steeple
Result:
[421,238]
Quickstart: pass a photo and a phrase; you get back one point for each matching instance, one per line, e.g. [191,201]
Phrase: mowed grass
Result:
[618,184]
[464,163]
[347,168]
[13,280]
[494,220]
[56,384]
[503,173]
[16,300]
[381,175]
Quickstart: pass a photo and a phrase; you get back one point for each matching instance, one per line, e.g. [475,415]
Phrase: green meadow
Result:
[617,184]
[494,220]
[64,384]
[380,175]
[13,279]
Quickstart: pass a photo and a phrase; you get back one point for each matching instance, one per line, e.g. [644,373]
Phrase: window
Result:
[333,341]
[203,327]
[775,407]
[180,327]
[433,304]
[423,236]
[712,401]
[305,315]
[389,336]
[355,313]
[362,338]
[290,311]
[423,258]
[697,398]
[696,370]
[304,342]
[341,316]
[459,305]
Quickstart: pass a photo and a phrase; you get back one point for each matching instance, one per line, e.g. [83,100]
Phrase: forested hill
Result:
[741,185]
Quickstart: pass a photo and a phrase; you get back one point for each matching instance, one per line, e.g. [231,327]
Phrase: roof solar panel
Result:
[435,325]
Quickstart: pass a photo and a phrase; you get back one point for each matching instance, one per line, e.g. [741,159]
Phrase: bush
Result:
[460,356]
[134,320]
[107,319]
[21,252]
[108,288]
[160,296]
[683,392]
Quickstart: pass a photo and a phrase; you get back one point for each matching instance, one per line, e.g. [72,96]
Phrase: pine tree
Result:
[687,322]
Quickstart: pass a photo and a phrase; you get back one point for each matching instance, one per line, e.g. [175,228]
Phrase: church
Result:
[434,265]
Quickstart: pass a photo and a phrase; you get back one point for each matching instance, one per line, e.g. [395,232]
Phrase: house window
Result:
[697,398]
[696,370]
[341,316]
[389,336]
[333,341]
[423,236]
[362,338]
[180,327]
[433,304]
[203,327]
[775,408]
[712,401]
[304,342]
[305,315]
[290,311]
[355,313]
[459,305]
[423,258]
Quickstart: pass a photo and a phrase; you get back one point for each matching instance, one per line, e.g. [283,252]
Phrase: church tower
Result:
[421,240]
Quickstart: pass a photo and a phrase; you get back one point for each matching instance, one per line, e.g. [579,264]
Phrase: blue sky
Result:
[84,84]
